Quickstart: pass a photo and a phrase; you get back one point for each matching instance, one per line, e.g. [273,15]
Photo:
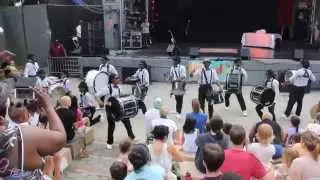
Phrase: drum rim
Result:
[94,80]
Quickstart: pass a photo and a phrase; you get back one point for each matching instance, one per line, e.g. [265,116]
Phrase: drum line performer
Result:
[238,69]
[299,80]
[106,67]
[143,75]
[113,90]
[207,77]
[178,73]
[271,82]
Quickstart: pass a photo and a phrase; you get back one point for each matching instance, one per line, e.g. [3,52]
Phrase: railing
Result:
[60,64]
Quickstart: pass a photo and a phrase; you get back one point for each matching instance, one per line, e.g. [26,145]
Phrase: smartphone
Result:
[24,93]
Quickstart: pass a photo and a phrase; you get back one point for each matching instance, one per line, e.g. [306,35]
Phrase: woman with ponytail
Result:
[215,135]
[307,166]
[293,130]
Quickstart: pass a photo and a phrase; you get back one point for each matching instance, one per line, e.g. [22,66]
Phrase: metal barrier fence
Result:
[59,64]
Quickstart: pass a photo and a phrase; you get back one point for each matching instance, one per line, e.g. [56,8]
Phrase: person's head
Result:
[195,105]
[143,64]
[125,145]
[311,142]
[115,79]
[238,135]
[289,155]
[32,106]
[216,125]
[231,176]
[104,59]
[160,133]
[83,87]
[64,74]
[164,111]
[213,157]
[226,128]
[176,60]
[305,64]
[31,57]
[237,62]
[41,74]
[118,170]
[295,122]
[157,103]
[266,116]
[265,134]
[296,138]
[19,113]
[74,102]
[139,156]
[206,63]
[189,125]
[65,102]
[57,42]
[270,74]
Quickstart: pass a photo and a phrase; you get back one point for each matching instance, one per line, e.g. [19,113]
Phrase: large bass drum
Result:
[96,80]
[123,107]
[233,82]
[262,95]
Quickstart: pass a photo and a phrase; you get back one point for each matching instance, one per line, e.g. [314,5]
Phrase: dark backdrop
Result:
[215,21]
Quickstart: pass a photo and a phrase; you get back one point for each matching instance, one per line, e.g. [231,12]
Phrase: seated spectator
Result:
[307,166]
[201,118]
[263,150]
[118,170]
[289,155]
[190,134]
[293,130]
[33,110]
[213,157]
[67,116]
[163,120]
[151,114]
[238,161]
[139,157]
[315,127]
[215,136]
[80,122]
[315,110]
[125,147]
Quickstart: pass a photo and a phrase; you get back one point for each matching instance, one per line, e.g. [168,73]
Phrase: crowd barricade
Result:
[60,64]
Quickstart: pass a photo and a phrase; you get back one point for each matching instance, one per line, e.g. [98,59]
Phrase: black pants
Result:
[142,106]
[296,96]
[270,108]
[179,102]
[112,126]
[239,97]
[202,98]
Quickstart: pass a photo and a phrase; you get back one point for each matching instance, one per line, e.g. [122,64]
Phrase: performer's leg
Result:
[271,110]
[201,97]
[292,100]
[241,101]
[179,101]
[111,127]
[210,109]
[259,107]
[127,125]
[226,98]
[96,119]
[142,106]
[300,95]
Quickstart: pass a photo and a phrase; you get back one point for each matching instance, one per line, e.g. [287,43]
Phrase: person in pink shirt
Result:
[238,161]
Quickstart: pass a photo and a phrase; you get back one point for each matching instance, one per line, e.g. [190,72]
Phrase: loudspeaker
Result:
[194,52]
[298,54]
[245,53]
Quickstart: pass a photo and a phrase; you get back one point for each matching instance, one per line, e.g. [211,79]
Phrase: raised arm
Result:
[245,75]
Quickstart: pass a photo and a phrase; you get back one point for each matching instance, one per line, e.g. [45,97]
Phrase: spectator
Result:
[67,116]
[293,130]
[214,136]
[315,127]
[163,120]
[264,150]
[289,155]
[64,76]
[57,49]
[139,157]
[125,147]
[118,170]
[190,134]
[238,161]
[151,114]
[42,81]
[314,110]
[307,166]
[213,157]
[31,68]
[201,118]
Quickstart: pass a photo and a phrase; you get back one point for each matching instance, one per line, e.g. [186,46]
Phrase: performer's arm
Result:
[146,78]
[294,76]
[245,75]
[312,77]
[171,74]
[183,73]
[215,77]
[275,86]
[26,70]
[113,69]
[136,73]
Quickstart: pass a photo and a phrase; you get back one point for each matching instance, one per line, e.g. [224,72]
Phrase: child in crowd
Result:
[264,150]
[293,130]
[190,134]
[125,148]
[315,127]
[118,170]
[281,170]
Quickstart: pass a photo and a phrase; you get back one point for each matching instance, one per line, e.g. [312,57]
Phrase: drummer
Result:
[273,83]
[143,75]
[178,73]
[114,91]
[238,69]
[106,67]
[64,76]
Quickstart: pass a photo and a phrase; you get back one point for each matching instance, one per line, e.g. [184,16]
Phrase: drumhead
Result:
[100,81]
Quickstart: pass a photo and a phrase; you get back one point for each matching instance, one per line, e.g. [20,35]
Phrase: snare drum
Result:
[123,107]
[262,95]
[96,80]
[178,88]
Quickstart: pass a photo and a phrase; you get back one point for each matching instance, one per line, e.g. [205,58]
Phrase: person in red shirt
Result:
[57,49]
[238,161]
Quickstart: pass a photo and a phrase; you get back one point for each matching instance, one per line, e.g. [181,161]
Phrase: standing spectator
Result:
[293,130]
[57,49]
[213,157]
[118,170]
[190,134]
[239,161]
[32,67]
[67,116]
[215,136]
[151,114]
[199,117]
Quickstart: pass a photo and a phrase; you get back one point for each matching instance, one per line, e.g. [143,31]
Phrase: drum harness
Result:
[241,77]
[205,77]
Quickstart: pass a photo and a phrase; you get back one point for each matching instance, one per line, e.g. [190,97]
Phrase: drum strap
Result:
[205,76]
[269,80]
[175,72]
[110,90]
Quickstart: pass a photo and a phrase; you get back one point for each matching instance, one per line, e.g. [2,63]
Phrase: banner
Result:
[221,66]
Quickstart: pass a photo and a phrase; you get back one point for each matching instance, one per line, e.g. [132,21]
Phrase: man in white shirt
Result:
[207,77]
[178,73]
[31,68]
[146,33]
[299,80]
[66,82]
[143,75]
[42,81]
[273,83]
[151,114]
[163,120]
[107,67]
[237,69]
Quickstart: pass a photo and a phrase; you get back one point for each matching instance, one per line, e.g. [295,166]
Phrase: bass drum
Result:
[123,107]
[262,95]
[96,80]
